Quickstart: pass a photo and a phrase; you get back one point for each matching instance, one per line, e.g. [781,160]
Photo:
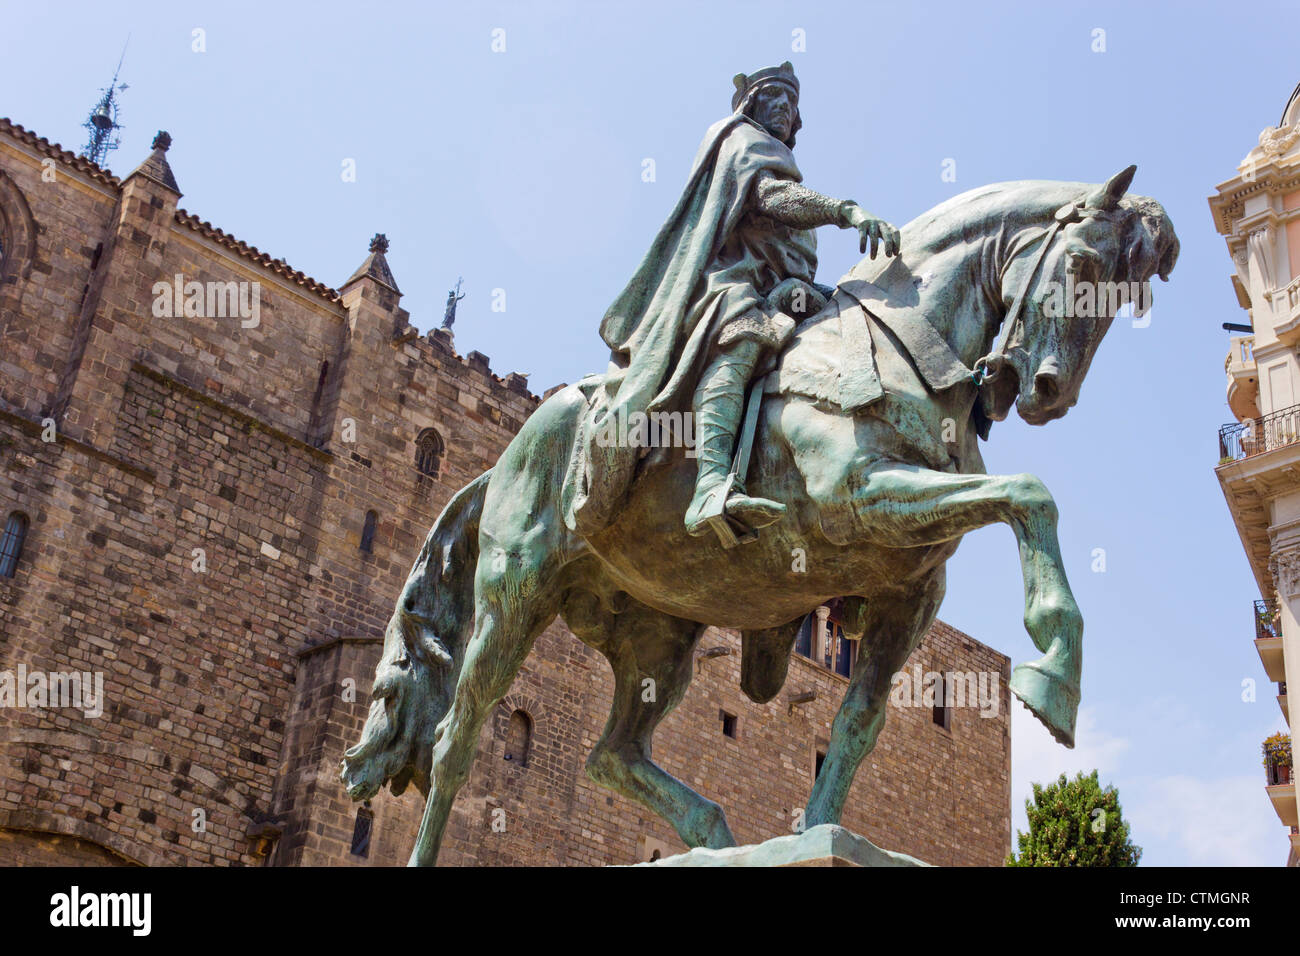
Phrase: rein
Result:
[988,367]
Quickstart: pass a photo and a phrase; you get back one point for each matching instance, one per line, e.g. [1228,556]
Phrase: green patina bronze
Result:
[865,470]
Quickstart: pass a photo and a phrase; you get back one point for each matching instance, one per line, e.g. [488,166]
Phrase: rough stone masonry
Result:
[221,513]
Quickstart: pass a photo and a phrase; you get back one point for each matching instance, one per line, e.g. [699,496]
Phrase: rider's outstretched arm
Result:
[794,204]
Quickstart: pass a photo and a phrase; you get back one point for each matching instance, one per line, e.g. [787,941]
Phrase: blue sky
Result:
[521,170]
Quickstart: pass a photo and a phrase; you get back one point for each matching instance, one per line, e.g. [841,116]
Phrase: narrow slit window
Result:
[942,713]
[11,544]
[368,532]
[361,830]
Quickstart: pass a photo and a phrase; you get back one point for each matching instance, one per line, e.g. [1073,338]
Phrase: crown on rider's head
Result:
[772,74]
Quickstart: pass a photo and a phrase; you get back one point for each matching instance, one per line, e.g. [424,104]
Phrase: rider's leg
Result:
[718,406]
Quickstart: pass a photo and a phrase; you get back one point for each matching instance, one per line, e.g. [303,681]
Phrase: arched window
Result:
[11,545]
[368,532]
[519,737]
[17,232]
[843,652]
[803,642]
[428,453]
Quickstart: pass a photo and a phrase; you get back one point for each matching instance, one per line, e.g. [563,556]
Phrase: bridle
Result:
[988,367]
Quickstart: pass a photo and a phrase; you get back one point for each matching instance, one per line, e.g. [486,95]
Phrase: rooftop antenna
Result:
[103,124]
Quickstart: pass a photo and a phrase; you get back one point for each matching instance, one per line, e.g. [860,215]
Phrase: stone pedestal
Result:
[825,845]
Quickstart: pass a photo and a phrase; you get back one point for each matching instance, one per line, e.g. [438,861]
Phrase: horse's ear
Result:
[1108,195]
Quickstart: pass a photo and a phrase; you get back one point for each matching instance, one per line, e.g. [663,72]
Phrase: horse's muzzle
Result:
[1046,399]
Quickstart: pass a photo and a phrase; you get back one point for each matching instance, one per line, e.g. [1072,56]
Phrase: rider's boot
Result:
[718,406]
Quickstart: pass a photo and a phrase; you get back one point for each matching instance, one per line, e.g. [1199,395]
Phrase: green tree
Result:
[1075,823]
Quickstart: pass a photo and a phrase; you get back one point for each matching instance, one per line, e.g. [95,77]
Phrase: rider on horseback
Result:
[718,289]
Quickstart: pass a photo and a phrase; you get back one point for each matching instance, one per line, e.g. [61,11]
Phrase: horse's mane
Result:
[981,211]
[1011,207]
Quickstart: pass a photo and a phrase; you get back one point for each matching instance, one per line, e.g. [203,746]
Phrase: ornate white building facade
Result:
[1258,213]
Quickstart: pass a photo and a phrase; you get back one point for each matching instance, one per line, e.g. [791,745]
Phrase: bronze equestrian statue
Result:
[865,455]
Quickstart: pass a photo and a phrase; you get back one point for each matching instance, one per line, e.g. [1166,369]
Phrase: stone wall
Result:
[197,487]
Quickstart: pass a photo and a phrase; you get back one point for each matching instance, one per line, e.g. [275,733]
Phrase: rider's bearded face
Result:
[774,107]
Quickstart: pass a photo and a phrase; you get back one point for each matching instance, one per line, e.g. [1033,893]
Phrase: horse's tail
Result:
[424,647]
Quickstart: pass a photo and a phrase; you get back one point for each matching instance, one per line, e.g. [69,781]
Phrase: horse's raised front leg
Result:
[651,654]
[904,506]
[513,604]
[895,624]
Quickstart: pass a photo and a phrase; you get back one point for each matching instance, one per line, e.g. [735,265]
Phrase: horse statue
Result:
[868,430]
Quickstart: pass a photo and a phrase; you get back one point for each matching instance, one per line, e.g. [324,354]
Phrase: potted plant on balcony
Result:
[1268,620]
[1277,758]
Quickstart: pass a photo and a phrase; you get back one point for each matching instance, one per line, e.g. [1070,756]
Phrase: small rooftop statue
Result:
[453,297]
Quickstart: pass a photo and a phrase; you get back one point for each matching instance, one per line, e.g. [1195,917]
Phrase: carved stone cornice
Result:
[1284,568]
[1229,206]
[1277,140]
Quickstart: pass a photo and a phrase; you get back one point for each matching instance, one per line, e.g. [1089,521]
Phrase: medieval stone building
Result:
[215,473]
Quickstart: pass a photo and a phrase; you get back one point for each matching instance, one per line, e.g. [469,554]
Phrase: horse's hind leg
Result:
[514,602]
[651,654]
[893,629]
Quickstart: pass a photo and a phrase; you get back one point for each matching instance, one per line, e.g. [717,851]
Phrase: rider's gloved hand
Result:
[870,229]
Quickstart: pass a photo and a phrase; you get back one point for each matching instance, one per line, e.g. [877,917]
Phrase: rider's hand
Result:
[873,230]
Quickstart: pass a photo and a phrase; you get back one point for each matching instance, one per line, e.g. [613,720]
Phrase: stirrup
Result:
[713,514]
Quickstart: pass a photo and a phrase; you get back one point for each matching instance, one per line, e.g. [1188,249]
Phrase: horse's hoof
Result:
[706,826]
[1053,700]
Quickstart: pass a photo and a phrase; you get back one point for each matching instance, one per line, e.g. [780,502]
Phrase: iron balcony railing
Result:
[1255,436]
[1267,621]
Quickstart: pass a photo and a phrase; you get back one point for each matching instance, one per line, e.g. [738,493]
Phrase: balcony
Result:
[1281,701]
[1282,796]
[1268,639]
[1277,772]
[1286,302]
[1255,436]
[1243,378]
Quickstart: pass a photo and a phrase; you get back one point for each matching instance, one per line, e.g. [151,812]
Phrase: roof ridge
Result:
[56,151]
[249,251]
[185,218]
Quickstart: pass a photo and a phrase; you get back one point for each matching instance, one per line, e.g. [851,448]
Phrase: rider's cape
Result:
[656,327]
[660,327]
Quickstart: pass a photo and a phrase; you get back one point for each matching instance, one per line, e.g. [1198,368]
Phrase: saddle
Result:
[833,358]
